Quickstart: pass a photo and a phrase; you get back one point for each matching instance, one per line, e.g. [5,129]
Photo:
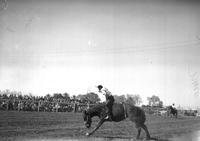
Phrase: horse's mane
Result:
[95,110]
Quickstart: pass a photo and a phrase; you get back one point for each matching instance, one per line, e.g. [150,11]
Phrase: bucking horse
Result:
[120,112]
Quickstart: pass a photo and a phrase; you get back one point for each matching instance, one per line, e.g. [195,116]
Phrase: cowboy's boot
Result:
[108,117]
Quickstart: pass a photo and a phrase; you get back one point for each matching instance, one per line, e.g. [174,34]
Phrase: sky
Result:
[145,47]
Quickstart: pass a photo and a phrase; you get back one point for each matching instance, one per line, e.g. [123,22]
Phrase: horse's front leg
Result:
[97,127]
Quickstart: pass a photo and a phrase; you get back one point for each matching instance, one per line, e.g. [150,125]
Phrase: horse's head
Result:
[87,119]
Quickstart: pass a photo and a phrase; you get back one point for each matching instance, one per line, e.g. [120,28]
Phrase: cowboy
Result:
[108,98]
[173,106]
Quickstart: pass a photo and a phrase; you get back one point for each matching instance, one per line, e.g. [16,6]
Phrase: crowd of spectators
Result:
[58,102]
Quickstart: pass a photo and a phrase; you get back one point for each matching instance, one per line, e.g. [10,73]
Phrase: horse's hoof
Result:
[87,134]
[150,139]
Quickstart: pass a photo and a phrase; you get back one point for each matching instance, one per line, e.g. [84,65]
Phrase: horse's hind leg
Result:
[176,114]
[139,131]
[146,131]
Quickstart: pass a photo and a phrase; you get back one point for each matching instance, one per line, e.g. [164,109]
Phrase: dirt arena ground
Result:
[45,126]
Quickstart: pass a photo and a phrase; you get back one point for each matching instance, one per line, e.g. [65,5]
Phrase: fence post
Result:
[38,105]
[75,107]
[18,106]
[88,105]
[7,102]
[56,107]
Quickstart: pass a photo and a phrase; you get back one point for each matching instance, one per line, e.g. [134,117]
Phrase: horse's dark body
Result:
[119,112]
[173,111]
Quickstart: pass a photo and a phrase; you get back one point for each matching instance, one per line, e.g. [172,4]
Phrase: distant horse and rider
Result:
[172,111]
[118,112]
